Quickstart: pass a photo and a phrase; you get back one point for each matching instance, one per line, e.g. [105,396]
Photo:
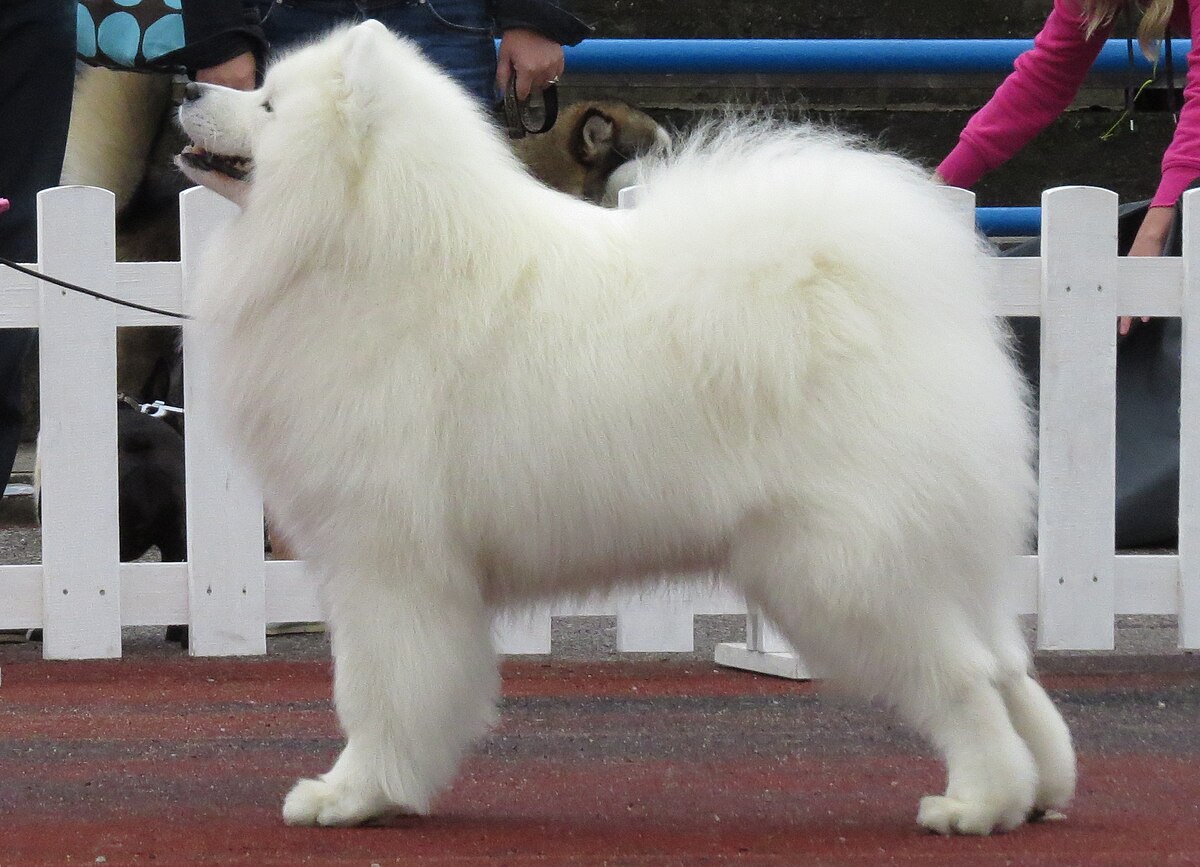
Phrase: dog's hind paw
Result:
[316,802]
[951,816]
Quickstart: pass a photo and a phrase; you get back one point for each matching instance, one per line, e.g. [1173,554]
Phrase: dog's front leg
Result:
[415,683]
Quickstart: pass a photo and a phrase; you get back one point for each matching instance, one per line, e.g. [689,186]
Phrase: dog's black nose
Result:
[192,91]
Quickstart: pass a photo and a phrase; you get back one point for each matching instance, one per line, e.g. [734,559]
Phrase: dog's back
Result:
[776,293]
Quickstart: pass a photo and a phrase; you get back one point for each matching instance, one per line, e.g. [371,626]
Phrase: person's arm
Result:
[533,33]
[224,43]
[1044,81]
[1181,161]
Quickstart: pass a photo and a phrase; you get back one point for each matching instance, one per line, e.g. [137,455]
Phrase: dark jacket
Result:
[218,30]
[545,17]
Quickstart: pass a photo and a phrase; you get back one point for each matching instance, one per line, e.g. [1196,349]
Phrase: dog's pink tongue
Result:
[3,205]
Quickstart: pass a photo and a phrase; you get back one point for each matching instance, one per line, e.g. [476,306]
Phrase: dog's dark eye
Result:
[267,105]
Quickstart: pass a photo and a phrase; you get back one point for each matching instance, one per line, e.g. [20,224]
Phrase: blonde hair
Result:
[1152,26]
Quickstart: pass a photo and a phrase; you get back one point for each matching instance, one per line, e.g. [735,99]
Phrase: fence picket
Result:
[1189,442]
[1077,408]
[81,584]
[226,574]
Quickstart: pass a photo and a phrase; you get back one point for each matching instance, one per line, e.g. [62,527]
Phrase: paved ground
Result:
[600,758]
[159,758]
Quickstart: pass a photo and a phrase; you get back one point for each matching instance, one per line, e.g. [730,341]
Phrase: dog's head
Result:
[592,140]
[321,114]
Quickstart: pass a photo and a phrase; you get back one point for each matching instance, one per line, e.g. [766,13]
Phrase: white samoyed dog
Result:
[463,391]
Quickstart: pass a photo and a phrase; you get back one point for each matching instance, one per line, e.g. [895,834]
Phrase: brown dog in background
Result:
[590,142]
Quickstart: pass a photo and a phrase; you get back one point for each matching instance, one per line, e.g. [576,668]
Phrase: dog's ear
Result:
[594,136]
[363,58]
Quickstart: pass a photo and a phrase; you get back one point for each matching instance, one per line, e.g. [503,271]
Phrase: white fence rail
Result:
[81,596]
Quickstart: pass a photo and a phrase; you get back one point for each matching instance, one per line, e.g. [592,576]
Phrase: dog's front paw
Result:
[947,815]
[316,802]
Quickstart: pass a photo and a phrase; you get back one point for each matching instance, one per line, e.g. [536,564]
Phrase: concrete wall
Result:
[811,18]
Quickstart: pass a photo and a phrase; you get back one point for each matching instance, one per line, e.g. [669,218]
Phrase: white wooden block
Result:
[1146,286]
[1189,440]
[21,596]
[1077,411]
[765,651]
[628,197]
[153,284]
[19,301]
[293,595]
[661,621]
[78,438]
[1150,285]
[736,654]
[226,580]
[153,594]
[522,632]
[1018,279]
[962,201]
[761,635]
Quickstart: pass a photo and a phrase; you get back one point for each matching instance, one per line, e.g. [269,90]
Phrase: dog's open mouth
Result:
[231,166]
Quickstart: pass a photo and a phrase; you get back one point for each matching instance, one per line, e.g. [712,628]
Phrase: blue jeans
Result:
[37,74]
[454,34]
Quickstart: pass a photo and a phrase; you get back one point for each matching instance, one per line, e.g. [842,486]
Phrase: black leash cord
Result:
[92,292]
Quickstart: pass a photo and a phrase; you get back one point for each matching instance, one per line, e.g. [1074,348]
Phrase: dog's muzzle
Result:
[234,167]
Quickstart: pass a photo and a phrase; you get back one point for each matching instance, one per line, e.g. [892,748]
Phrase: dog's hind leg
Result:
[892,635]
[1036,720]
[415,683]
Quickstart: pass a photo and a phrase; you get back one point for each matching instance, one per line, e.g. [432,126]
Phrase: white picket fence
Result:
[81,595]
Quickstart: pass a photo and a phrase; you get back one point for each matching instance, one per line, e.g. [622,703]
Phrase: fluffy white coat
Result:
[463,390]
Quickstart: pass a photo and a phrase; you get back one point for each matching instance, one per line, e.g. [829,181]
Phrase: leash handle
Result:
[516,113]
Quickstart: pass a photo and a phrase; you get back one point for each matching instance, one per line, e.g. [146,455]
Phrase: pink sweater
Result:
[1045,80]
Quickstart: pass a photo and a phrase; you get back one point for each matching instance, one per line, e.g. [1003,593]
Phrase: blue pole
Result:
[1009,222]
[825,56]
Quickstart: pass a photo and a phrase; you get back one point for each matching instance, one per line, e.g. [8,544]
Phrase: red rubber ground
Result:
[178,761]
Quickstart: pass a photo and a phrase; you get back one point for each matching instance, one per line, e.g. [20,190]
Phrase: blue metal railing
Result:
[1009,222]
[844,57]
[826,56]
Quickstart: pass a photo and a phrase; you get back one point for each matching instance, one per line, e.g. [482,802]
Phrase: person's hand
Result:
[535,61]
[1149,241]
[237,72]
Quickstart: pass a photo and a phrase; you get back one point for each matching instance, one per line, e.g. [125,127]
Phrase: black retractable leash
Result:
[91,292]
[518,119]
